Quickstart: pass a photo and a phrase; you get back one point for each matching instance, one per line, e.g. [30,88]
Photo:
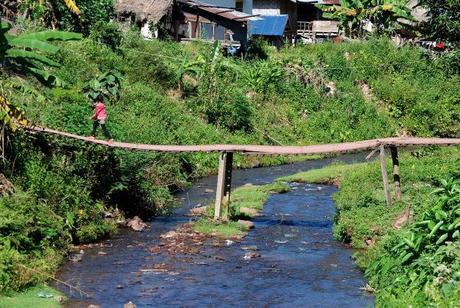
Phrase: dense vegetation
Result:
[167,93]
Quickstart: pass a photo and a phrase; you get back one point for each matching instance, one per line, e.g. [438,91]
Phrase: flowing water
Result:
[300,264]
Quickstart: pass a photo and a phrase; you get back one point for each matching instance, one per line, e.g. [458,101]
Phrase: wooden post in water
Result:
[224,185]
[227,185]
[396,171]
[220,186]
[383,166]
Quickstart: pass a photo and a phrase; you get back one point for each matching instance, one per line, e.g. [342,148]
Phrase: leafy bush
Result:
[107,33]
[424,261]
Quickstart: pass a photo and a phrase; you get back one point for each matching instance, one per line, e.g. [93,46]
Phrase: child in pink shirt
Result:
[99,116]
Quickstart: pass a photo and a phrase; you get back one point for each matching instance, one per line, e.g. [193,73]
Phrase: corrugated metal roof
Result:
[223,12]
[268,25]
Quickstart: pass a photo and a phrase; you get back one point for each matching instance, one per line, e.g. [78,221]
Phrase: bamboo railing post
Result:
[220,186]
[396,171]
[383,166]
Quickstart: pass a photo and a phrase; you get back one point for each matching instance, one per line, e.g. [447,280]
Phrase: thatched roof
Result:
[150,10]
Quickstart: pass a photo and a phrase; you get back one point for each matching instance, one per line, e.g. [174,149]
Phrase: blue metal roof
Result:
[268,25]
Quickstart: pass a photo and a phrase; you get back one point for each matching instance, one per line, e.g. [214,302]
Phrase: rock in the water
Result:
[120,286]
[253,248]
[101,253]
[248,211]
[169,234]
[94,306]
[129,304]
[136,224]
[251,255]
[248,224]
[229,242]
[200,210]
[209,190]
[76,256]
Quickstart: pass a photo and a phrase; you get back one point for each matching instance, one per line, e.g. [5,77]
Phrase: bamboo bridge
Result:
[224,177]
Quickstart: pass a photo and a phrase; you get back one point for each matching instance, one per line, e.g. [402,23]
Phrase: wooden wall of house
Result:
[290,8]
[266,7]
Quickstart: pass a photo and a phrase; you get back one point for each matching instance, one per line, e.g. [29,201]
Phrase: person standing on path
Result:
[99,116]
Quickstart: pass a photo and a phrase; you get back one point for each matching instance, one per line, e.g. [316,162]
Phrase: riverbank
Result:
[381,233]
[40,296]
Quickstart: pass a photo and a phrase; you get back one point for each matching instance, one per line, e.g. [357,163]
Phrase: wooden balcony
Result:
[317,28]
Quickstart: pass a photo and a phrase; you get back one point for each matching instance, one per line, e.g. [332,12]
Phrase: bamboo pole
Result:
[220,186]
[227,185]
[383,166]
[396,171]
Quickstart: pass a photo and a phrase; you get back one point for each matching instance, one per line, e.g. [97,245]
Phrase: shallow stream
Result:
[300,264]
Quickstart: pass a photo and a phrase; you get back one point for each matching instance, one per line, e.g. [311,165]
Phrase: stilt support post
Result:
[383,166]
[396,172]
[224,182]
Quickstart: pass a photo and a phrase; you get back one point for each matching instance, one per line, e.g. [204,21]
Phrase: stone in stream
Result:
[229,242]
[169,234]
[198,210]
[136,224]
[209,190]
[129,304]
[253,248]
[76,256]
[251,255]
[248,224]
[93,306]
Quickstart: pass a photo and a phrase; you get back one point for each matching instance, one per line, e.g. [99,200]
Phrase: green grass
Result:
[226,229]
[30,299]
[251,197]
[326,175]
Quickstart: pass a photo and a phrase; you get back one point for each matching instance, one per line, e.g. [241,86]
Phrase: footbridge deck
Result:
[226,158]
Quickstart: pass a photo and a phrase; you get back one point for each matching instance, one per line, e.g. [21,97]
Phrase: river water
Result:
[300,264]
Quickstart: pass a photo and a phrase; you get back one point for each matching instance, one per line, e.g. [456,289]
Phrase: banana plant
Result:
[27,53]
[107,84]
[353,15]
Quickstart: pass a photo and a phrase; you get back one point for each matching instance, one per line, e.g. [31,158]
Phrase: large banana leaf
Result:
[52,36]
[33,44]
[19,54]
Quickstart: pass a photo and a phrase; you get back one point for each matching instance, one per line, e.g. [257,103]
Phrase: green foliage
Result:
[108,84]
[107,33]
[257,49]
[353,14]
[263,77]
[27,52]
[424,261]
[444,19]
[66,16]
